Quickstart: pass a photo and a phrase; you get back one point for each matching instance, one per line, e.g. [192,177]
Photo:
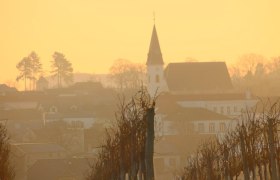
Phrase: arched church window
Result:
[157,78]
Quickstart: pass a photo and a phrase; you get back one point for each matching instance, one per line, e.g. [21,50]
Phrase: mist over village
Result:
[139,90]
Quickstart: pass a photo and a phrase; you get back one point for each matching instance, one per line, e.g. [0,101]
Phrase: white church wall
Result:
[156,81]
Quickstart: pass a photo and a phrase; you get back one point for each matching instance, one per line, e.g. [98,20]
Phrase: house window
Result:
[235,109]
[222,127]
[228,110]
[77,124]
[157,78]
[201,127]
[222,110]
[212,127]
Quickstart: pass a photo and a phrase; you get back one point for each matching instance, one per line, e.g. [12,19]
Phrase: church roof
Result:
[198,77]
[154,55]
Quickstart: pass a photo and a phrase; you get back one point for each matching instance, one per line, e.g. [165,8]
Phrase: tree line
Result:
[127,151]
[252,150]
[256,73]
[123,74]
[251,72]
[30,69]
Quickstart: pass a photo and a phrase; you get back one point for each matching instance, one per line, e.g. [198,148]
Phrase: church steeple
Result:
[155,74]
[154,55]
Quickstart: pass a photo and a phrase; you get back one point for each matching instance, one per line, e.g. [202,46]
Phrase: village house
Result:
[59,169]
[26,154]
[80,105]
[4,89]
[22,123]
[55,123]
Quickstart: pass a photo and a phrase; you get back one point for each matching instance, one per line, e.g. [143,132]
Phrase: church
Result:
[194,89]
[195,99]
[184,77]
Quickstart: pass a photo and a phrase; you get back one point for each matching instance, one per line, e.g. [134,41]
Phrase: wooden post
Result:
[226,154]
[244,157]
[272,152]
[149,150]
[122,169]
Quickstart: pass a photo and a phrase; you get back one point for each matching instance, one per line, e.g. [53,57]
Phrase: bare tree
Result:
[6,169]
[128,147]
[127,75]
[252,149]
[256,73]
[249,62]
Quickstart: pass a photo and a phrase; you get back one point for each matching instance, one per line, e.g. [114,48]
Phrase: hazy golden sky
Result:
[93,33]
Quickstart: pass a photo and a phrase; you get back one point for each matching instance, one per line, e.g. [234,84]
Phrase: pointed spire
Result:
[154,55]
